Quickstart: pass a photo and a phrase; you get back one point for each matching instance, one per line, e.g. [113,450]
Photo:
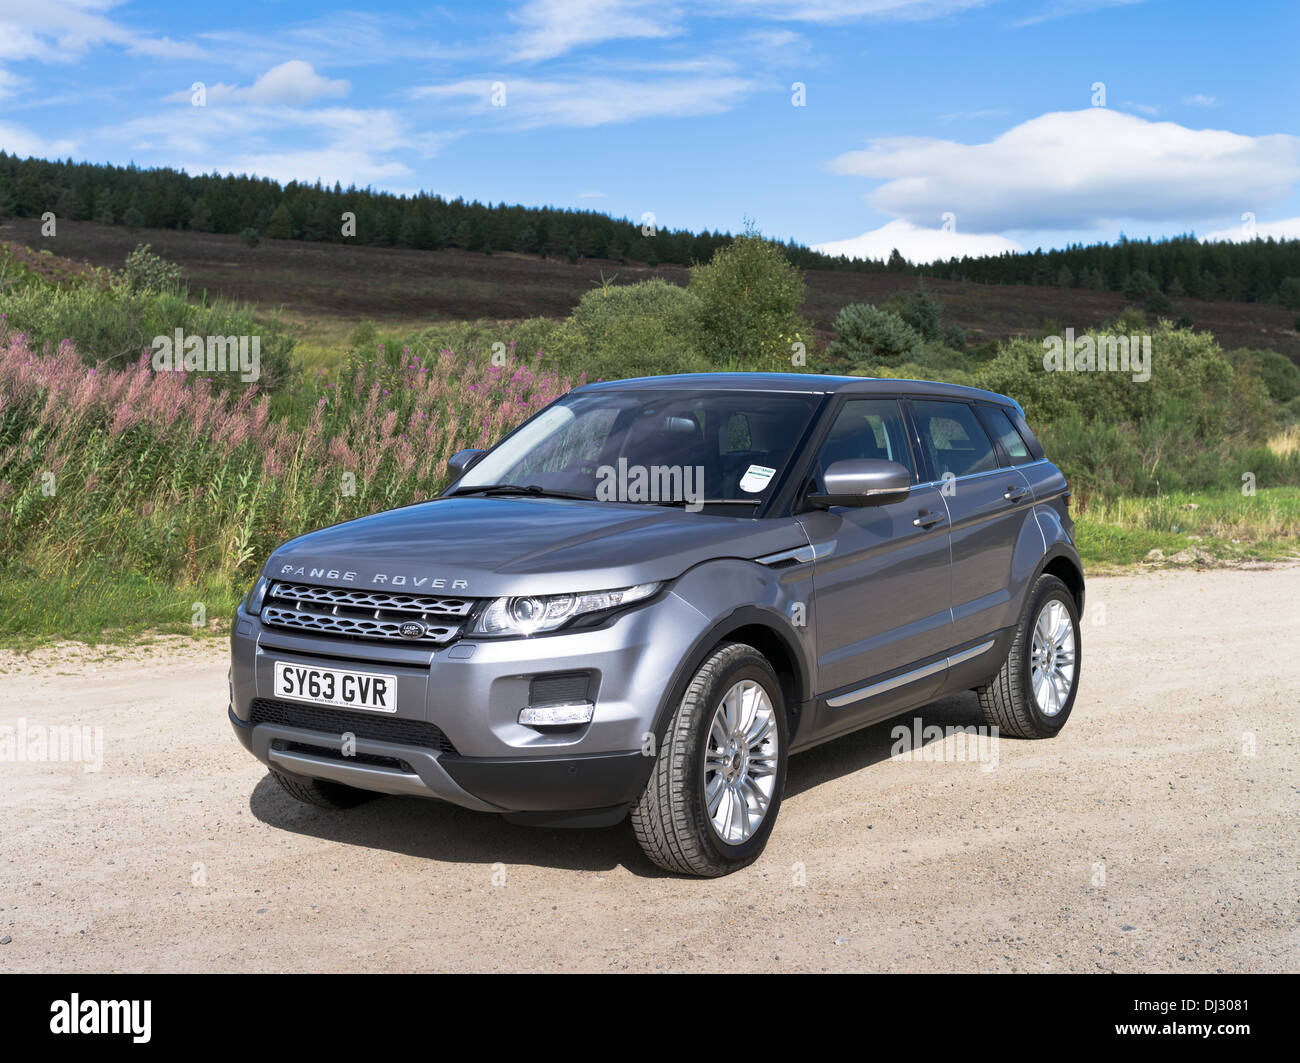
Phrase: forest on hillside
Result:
[1146,271]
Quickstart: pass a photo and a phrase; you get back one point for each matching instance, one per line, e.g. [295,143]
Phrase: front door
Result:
[881,575]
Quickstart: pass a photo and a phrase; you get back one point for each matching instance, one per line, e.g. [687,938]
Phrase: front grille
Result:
[559,688]
[337,721]
[364,614]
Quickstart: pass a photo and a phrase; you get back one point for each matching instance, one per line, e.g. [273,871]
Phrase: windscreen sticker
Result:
[756,478]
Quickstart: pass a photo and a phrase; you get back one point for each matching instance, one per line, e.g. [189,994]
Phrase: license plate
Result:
[336,688]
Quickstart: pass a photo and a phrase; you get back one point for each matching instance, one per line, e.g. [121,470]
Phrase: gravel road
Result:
[1159,832]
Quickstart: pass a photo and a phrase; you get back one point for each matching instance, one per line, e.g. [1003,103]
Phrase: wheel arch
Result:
[768,632]
[1064,564]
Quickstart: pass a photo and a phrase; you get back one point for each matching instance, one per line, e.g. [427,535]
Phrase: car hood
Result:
[485,547]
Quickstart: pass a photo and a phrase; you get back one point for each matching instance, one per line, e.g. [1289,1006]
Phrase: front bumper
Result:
[473,691]
[586,788]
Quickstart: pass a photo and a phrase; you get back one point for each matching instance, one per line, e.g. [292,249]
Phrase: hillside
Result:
[324,282]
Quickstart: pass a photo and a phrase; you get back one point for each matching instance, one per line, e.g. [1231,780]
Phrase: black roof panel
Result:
[802,383]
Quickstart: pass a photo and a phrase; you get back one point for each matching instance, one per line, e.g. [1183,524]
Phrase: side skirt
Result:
[843,711]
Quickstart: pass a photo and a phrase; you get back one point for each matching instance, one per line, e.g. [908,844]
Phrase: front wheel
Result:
[1031,697]
[716,786]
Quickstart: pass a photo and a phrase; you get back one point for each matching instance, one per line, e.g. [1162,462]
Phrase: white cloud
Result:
[336,39]
[1078,170]
[593,101]
[10,83]
[549,28]
[1285,229]
[831,11]
[1065,8]
[1201,100]
[918,245]
[349,145]
[16,140]
[292,82]
[63,30]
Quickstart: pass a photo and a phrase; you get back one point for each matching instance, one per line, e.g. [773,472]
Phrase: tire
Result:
[1008,700]
[322,792]
[672,820]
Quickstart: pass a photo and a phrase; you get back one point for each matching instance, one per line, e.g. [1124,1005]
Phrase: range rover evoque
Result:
[652,592]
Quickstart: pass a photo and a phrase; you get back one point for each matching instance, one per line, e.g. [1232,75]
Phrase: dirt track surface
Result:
[1146,837]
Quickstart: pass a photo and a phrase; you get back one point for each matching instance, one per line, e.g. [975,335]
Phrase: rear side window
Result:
[954,438]
[1000,424]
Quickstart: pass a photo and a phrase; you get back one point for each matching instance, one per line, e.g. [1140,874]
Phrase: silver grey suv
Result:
[652,592]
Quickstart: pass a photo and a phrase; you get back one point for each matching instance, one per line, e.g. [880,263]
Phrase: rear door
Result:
[881,577]
[1021,449]
[987,504]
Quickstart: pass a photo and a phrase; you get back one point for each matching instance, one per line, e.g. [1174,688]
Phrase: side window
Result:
[955,439]
[1006,432]
[867,428]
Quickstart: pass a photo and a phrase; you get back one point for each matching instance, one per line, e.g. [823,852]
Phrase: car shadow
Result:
[871,745]
[435,830]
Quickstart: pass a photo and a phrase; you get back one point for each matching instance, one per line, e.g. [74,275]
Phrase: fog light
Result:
[556,715]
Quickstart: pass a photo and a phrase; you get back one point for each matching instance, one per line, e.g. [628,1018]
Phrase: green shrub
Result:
[867,336]
[116,325]
[1183,364]
[147,272]
[922,311]
[1166,451]
[1157,303]
[749,296]
[1279,374]
[632,330]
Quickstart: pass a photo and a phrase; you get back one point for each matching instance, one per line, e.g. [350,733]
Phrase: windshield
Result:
[666,447]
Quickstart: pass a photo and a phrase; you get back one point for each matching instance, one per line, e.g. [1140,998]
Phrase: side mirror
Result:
[463,460]
[863,482]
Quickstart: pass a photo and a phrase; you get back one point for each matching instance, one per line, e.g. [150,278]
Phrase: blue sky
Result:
[938,126]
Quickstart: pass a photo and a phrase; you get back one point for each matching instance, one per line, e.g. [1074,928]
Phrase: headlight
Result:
[527,615]
[256,594]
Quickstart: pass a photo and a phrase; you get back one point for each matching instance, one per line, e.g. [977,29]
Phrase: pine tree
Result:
[200,219]
[278,226]
[104,211]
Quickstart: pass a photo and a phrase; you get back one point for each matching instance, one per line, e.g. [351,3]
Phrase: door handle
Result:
[926,520]
[1013,493]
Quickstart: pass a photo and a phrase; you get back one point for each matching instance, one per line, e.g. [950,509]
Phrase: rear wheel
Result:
[322,792]
[715,790]
[1031,697]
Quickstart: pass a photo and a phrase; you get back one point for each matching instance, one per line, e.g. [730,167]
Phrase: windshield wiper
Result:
[708,502]
[534,490]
